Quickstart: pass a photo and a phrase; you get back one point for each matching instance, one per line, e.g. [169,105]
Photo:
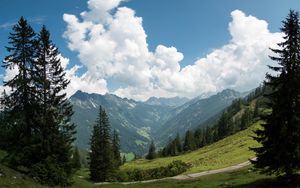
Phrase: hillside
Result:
[226,152]
[245,178]
[12,178]
[194,113]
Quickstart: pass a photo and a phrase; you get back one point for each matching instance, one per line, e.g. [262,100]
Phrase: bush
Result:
[49,172]
[173,169]
[122,176]
[177,167]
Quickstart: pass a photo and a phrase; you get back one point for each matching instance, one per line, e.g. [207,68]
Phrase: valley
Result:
[157,119]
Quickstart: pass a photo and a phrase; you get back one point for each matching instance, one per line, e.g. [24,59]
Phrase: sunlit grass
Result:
[229,151]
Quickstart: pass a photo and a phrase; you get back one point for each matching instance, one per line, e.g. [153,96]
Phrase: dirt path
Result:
[189,176]
[209,172]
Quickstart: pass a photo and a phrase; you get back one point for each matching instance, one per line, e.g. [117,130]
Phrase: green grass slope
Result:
[12,179]
[226,152]
[245,178]
[229,151]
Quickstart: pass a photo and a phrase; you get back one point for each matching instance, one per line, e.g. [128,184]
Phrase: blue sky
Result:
[195,27]
[192,29]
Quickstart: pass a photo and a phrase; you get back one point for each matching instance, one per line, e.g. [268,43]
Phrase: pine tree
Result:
[189,142]
[76,159]
[101,156]
[151,153]
[173,148]
[5,123]
[199,138]
[256,110]
[280,138]
[209,135]
[245,119]
[223,126]
[95,155]
[54,113]
[124,159]
[21,101]
[178,144]
[116,150]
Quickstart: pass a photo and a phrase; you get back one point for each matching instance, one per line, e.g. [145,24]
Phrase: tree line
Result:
[228,123]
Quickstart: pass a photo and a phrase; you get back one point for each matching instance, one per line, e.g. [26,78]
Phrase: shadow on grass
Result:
[281,182]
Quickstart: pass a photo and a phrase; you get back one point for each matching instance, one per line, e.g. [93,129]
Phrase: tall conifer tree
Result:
[198,134]
[101,156]
[280,138]
[116,150]
[54,111]
[151,153]
[124,159]
[189,142]
[223,126]
[21,101]
[95,155]
[178,144]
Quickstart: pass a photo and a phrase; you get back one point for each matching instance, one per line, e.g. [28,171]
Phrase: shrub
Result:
[50,173]
[122,176]
[173,169]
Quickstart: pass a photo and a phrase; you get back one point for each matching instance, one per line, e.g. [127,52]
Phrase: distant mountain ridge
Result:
[173,102]
[133,120]
[140,122]
[195,113]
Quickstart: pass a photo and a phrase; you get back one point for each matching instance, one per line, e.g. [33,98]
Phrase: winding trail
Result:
[187,176]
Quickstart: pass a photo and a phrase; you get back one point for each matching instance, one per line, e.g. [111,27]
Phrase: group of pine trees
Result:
[35,120]
[36,128]
[226,125]
[104,157]
[280,136]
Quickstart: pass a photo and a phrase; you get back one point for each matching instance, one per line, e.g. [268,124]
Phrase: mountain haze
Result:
[195,113]
[172,102]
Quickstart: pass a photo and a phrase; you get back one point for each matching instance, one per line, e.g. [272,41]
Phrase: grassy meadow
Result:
[229,151]
[226,152]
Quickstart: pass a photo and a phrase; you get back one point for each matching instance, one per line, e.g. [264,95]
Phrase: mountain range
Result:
[138,123]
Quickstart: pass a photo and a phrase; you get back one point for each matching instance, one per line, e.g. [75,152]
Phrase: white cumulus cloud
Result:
[112,44]
[84,82]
